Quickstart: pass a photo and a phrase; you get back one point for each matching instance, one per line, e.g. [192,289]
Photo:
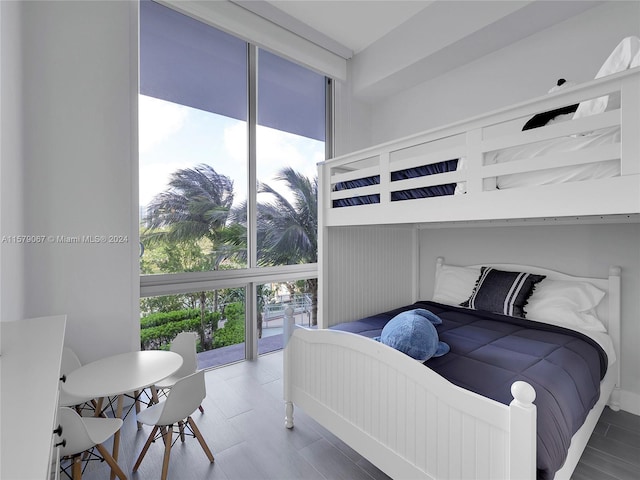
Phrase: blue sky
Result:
[174,136]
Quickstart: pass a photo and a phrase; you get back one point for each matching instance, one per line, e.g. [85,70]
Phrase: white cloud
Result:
[158,120]
[278,149]
[235,142]
[156,177]
[275,150]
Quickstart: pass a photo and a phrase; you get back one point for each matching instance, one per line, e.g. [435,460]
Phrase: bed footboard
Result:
[403,417]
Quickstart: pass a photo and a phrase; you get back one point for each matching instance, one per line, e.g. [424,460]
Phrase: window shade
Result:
[185,61]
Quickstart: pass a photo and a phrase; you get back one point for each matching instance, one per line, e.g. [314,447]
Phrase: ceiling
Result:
[394,44]
[356,24]
[348,27]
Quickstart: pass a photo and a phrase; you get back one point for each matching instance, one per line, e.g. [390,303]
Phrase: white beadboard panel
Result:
[433,428]
[372,269]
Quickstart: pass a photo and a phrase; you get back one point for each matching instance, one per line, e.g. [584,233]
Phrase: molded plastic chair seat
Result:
[82,434]
[182,400]
[185,345]
[69,363]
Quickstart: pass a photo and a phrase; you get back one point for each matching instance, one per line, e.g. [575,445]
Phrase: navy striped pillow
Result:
[499,291]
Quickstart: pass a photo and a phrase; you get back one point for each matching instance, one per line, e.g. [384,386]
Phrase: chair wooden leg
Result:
[98,408]
[200,438]
[76,468]
[181,429]
[145,448]
[167,452]
[115,468]
[163,434]
[116,436]
[154,394]
[201,409]
[137,394]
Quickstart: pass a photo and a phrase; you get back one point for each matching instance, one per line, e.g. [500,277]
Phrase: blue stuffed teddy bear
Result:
[413,333]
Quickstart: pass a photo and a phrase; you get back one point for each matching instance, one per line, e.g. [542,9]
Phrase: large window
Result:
[230,136]
[290,142]
[193,143]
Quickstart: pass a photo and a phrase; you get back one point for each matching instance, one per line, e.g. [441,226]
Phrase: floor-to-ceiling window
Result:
[229,138]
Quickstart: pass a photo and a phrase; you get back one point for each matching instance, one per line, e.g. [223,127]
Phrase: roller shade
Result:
[188,62]
[185,61]
[290,97]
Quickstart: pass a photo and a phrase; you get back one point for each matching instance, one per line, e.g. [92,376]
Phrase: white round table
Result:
[121,374]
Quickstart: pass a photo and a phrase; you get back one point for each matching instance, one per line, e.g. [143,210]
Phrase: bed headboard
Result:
[608,310]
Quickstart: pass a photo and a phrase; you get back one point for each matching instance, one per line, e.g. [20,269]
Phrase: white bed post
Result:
[629,126]
[474,161]
[522,432]
[613,328]
[288,327]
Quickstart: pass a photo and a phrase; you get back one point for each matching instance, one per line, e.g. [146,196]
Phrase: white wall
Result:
[79,163]
[573,49]
[582,250]
[351,122]
[11,208]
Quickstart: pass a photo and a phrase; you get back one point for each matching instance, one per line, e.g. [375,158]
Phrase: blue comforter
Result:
[489,352]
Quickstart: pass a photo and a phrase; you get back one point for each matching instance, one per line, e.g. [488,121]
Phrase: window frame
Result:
[253,275]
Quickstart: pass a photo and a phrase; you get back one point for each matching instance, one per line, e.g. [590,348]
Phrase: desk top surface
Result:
[121,373]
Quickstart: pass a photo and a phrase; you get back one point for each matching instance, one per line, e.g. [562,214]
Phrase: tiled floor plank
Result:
[243,424]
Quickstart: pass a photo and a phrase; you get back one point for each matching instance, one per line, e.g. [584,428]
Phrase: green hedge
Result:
[231,334]
[167,332]
[233,331]
[161,318]
[158,329]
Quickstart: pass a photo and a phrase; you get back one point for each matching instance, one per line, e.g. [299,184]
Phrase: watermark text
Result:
[63,239]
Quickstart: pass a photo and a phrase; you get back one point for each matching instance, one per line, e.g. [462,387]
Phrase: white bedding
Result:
[561,174]
[626,55]
[574,173]
[568,304]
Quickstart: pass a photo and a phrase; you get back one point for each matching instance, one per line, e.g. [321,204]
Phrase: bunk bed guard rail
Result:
[453,173]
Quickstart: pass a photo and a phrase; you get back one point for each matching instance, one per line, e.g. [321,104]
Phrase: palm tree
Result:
[288,231]
[195,206]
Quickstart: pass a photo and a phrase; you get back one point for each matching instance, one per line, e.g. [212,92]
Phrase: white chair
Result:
[69,363]
[185,345]
[82,434]
[182,400]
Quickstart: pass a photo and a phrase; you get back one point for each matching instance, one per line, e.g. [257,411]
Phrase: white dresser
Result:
[30,355]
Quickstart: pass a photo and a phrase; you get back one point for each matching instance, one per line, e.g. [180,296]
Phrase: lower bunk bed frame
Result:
[412,423]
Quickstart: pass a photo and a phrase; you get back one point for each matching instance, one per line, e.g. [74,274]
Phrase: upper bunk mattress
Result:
[573,173]
[529,151]
[489,352]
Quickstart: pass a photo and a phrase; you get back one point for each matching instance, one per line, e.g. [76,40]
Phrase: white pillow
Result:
[454,285]
[626,55]
[566,304]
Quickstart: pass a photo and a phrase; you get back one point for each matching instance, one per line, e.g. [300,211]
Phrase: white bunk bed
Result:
[603,149]
[412,423]
[405,418]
